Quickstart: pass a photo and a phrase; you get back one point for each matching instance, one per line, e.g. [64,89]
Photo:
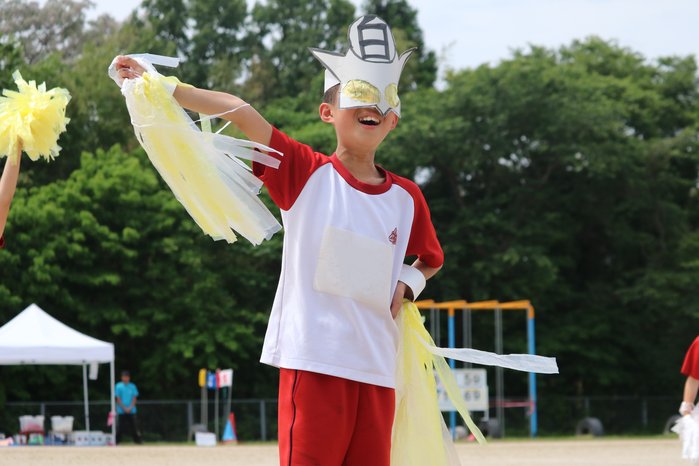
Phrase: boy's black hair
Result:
[330,96]
[125,374]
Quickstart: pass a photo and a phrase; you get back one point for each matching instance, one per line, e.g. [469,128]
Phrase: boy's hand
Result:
[128,68]
[397,302]
[686,408]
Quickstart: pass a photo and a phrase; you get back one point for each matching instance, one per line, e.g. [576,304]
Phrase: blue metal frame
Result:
[531,343]
[452,342]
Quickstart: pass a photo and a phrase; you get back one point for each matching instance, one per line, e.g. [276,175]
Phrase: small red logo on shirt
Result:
[393,237]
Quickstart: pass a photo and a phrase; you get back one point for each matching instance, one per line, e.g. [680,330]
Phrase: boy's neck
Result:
[360,165]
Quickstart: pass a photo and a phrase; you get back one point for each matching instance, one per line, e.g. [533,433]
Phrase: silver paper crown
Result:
[370,70]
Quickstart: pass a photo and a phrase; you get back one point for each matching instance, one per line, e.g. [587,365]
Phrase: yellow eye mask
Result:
[362,91]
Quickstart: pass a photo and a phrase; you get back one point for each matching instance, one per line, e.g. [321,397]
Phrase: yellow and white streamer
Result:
[420,436]
[32,118]
[203,170]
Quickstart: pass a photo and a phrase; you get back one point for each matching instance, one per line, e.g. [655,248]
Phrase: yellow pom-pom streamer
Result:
[202,169]
[420,436]
[32,118]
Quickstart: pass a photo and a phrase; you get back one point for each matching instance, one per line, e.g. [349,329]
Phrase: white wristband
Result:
[413,278]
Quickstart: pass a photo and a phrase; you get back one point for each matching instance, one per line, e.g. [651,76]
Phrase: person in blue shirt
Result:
[126,395]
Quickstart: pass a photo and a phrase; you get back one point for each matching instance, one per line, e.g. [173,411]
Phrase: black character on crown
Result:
[375,44]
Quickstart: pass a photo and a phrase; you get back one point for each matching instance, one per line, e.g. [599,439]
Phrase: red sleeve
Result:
[423,241]
[2,242]
[691,360]
[298,163]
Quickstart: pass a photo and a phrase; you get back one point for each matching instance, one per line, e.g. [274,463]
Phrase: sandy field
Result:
[587,452]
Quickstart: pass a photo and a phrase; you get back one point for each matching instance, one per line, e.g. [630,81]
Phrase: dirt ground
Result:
[587,452]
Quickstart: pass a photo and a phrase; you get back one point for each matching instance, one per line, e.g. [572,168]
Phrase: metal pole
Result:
[190,417]
[216,413]
[204,407]
[113,402]
[499,381]
[451,327]
[230,400]
[87,404]
[531,342]
[205,402]
[467,332]
[263,420]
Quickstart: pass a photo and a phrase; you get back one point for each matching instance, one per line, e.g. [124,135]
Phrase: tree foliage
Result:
[55,26]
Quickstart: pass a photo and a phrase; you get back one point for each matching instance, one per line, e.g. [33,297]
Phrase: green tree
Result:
[207,35]
[279,37]
[568,177]
[57,26]
[110,251]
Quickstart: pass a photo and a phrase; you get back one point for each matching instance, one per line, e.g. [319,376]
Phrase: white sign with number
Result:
[473,385]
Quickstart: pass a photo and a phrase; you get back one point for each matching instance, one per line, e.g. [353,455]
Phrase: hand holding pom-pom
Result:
[31,119]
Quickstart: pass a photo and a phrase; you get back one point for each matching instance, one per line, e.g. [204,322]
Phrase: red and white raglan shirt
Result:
[344,245]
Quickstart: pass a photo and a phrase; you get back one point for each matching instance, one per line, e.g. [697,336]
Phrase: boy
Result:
[8,185]
[349,224]
[126,394]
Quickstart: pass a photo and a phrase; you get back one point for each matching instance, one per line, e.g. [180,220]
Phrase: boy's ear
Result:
[326,112]
[394,120]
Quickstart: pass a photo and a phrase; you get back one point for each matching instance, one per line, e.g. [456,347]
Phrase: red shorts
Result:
[330,421]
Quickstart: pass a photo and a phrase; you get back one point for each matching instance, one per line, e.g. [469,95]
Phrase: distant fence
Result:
[160,420]
[256,419]
[619,415]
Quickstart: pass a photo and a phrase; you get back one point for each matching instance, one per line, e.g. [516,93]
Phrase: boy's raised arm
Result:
[247,119]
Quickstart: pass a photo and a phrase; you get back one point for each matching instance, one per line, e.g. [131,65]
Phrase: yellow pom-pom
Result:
[32,118]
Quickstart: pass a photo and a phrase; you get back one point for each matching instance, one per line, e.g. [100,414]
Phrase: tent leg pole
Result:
[87,405]
[113,402]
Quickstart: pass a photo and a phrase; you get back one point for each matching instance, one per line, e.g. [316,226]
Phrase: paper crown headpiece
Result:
[368,73]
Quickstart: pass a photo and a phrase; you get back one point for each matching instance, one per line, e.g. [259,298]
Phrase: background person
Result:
[126,394]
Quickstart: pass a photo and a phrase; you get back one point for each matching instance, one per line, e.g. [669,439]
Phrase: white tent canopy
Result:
[34,337]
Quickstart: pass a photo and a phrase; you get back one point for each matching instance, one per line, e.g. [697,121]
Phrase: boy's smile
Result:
[369,117]
[361,130]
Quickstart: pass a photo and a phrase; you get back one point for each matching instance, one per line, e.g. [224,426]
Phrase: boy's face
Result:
[126,379]
[358,129]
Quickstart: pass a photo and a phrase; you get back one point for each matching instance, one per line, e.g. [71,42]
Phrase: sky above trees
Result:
[466,33]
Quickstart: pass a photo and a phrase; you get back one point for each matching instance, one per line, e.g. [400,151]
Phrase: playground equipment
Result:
[497,307]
